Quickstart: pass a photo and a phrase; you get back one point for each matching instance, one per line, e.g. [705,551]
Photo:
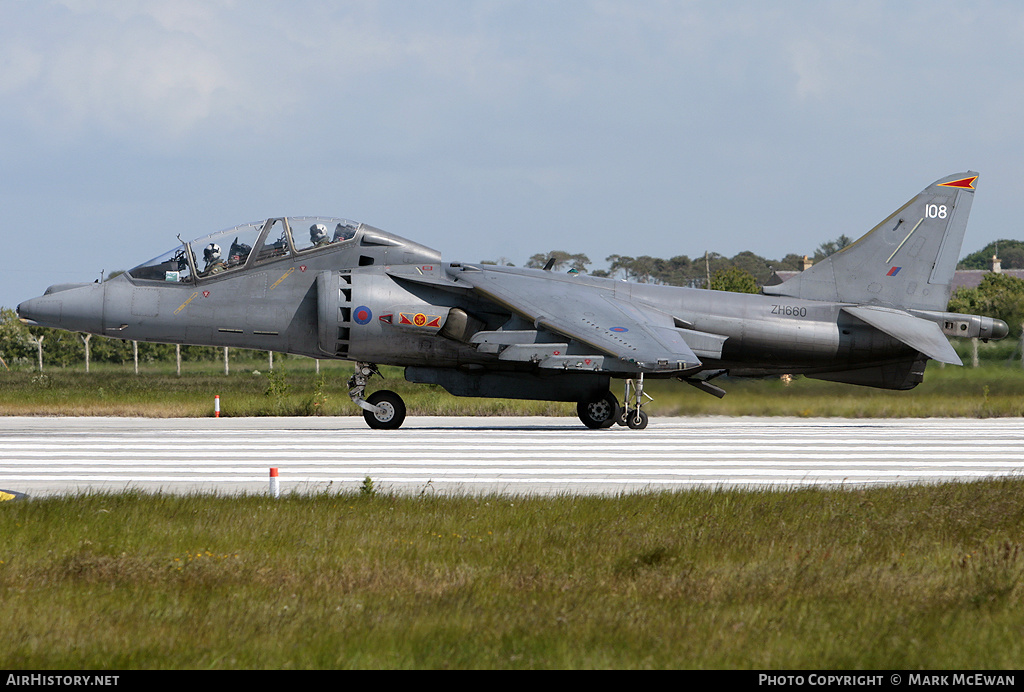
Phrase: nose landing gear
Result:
[382,410]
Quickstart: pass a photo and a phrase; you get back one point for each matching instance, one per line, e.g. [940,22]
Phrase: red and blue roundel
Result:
[362,314]
[618,329]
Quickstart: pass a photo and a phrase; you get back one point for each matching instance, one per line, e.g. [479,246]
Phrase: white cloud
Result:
[83,71]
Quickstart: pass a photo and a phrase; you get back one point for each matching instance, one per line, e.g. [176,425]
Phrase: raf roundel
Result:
[362,315]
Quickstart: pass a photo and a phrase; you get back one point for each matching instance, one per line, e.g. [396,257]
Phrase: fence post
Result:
[39,346]
[85,340]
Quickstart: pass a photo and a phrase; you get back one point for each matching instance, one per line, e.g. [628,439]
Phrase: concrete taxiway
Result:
[42,456]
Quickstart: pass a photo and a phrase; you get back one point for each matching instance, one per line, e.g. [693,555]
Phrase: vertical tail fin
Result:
[907,261]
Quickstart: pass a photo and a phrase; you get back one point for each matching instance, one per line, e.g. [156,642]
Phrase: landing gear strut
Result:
[382,410]
[633,401]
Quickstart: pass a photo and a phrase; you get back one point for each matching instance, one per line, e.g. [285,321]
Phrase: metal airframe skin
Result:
[872,314]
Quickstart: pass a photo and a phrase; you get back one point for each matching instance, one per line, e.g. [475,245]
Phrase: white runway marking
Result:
[42,456]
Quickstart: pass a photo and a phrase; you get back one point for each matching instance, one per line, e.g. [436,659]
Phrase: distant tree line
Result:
[1009,252]
[998,295]
[683,270]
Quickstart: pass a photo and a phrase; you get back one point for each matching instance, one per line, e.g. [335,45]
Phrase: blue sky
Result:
[496,129]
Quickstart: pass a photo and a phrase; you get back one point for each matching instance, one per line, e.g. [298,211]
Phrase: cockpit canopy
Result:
[246,245]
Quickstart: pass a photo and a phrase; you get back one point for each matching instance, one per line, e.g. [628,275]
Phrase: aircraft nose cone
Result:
[999,329]
[77,309]
[40,311]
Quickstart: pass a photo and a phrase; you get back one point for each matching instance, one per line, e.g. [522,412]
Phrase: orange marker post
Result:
[275,490]
[216,405]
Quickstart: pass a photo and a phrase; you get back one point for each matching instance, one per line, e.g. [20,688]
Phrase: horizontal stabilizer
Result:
[921,335]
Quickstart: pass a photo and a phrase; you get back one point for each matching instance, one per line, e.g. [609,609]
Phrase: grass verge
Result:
[294,389]
[882,579]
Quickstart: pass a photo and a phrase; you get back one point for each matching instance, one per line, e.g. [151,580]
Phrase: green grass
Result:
[295,390]
[896,578]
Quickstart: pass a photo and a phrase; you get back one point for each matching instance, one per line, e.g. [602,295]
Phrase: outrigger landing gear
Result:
[382,410]
[632,413]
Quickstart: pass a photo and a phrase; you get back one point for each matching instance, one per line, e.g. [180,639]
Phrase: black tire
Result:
[394,411]
[637,420]
[600,412]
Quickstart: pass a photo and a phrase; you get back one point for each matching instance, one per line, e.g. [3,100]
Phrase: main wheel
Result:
[392,413]
[600,412]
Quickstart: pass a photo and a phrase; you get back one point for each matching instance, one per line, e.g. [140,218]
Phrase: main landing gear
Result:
[382,410]
[604,411]
[599,413]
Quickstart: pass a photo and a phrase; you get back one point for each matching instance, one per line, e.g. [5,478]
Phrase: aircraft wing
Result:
[640,337]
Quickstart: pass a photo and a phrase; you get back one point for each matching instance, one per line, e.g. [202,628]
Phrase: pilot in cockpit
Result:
[318,235]
[214,263]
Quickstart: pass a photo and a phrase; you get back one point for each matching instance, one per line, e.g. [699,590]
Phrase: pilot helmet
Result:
[212,252]
[317,232]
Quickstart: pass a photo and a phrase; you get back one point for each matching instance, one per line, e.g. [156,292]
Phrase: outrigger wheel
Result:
[636,419]
[600,412]
[390,412]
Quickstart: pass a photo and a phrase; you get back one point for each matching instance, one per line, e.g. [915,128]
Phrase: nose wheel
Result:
[382,410]
[390,413]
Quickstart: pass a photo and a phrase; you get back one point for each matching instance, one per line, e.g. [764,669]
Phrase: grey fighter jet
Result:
[872,314]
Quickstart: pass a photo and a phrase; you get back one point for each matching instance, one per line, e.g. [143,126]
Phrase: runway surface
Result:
[41,456]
